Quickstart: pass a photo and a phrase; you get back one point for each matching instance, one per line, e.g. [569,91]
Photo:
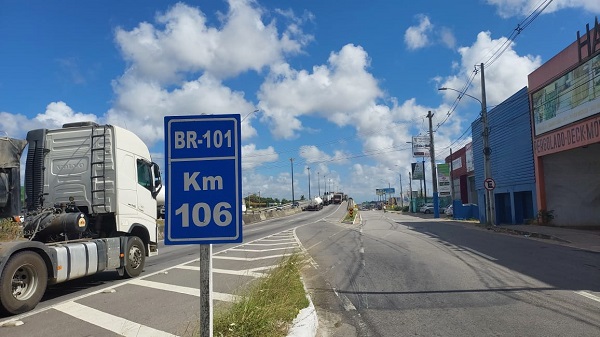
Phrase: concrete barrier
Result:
[271,214]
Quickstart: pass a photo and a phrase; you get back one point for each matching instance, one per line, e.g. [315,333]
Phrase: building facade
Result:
[565,114]
[462,172]
[511,160]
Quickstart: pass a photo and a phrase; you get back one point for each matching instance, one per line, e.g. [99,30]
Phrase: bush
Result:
[545,217]
[9,230]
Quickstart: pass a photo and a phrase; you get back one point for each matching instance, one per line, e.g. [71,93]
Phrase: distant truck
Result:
[316,204]
[338,197]
[90,206]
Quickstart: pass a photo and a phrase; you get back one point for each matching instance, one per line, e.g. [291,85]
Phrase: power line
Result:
[497,53]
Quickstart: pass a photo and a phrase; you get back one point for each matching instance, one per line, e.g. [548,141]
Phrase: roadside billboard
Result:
[417,171]
[443,175]
[420,146]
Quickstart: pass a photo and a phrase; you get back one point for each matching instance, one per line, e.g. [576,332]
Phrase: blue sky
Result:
[341,86]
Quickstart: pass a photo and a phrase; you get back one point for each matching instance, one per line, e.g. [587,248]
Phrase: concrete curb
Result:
[307,322]
[526,233]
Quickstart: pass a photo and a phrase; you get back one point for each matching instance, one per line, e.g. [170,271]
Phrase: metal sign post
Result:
[203,199]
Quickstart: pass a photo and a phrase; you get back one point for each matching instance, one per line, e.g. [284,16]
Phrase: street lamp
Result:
[250,113]
[401,192]
[309,197]
[487,167]
[319,182]
[292,164]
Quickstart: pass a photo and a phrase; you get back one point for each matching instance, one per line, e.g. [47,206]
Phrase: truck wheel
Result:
[22,283]
[135,257]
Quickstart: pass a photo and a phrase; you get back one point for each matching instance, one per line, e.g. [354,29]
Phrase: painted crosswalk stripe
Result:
[184,290]
[260,250]
[234,258]
[109,322]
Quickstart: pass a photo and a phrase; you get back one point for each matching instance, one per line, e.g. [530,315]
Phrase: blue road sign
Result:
[203,179]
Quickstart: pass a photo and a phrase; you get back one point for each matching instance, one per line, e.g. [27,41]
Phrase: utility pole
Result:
[451,178]
[411,193]
[319,182]
[309,197]
[401,192]
[436,201]
[487,167]
[292,164]
[424,183]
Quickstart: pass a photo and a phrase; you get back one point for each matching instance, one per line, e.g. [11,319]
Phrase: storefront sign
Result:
[572,97]
[580,134]
[591,42]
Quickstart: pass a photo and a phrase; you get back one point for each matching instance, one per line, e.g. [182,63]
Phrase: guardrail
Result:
[272,208]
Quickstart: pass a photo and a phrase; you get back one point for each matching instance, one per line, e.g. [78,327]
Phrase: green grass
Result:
[269,306]
[9,230]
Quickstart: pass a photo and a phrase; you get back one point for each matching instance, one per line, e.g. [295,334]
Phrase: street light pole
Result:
[487,165]
[411,192]
[436,201]
[292,164]
[401,192]
[319,182]
[309,197]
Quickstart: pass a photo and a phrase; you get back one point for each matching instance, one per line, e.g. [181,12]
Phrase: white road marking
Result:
[234,258]
[479,253]
[588,295]
[265,268]
[244,272]
[109,322]
[184,290]
[278,240]
[348,306]
[265,244]
[261,250]
[238,272]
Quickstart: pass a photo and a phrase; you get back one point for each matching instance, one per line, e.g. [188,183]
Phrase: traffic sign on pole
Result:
[489,184]
[202,178]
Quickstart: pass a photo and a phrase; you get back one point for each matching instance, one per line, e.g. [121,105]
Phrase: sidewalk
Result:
[585,239]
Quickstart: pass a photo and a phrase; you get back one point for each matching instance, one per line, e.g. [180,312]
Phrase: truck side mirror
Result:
[157,180]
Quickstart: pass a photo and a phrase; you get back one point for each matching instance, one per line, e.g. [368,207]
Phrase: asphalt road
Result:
[163,301]
[398,275]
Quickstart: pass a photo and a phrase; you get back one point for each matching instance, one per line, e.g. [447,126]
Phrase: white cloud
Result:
[144,104]
[183,42]
[508,8]
[180,45]
[334,91]
[447,37]
[504,77]
[14,125]
[253,157]
[416,37]
[56,114]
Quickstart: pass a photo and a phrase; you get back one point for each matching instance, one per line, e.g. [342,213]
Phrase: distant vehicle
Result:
[295,204]
[337,198]
[428,209]
[314,205]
